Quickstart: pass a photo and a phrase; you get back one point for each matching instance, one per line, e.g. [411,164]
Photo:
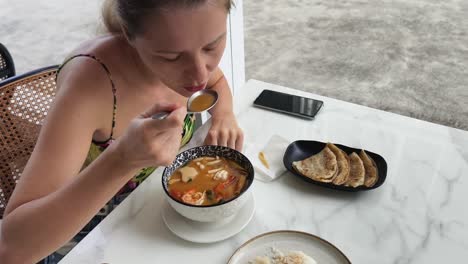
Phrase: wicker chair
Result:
[24,102]
[7,67]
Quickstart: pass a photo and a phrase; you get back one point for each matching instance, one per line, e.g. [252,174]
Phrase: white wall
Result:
[232,63]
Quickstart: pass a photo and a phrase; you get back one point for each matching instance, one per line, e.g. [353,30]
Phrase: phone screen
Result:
[288,103]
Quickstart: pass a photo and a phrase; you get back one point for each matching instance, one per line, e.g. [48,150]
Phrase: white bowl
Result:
[217,212]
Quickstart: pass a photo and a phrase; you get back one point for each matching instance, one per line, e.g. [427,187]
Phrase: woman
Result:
[157,54]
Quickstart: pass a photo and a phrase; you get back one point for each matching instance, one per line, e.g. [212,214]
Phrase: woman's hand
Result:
[226,132]
[151,142]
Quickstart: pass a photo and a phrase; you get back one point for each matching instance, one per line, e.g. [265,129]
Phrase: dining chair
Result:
[7,67]
[24,102]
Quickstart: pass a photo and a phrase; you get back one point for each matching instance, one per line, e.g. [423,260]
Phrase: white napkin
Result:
[273,151]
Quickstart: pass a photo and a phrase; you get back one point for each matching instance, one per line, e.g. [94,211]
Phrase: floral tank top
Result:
[97,148]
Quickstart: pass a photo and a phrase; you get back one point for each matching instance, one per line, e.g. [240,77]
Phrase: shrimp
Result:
[221,175]
[192,197]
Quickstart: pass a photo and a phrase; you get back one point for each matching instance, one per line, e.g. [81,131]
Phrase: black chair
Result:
[7,67]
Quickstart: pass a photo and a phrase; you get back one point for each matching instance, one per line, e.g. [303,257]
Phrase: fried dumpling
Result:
[320,167]
[370,168]
[357,171]
[342,160]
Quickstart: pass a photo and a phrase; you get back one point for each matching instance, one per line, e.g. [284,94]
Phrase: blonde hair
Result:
[126,16]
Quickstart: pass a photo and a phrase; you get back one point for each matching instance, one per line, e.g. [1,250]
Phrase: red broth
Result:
[207,181]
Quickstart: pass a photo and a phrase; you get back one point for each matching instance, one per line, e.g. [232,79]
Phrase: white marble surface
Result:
[417,216]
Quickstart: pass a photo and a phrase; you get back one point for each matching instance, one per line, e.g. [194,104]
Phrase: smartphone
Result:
[289,104]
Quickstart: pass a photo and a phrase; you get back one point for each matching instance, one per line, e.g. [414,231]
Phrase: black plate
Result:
[302,149]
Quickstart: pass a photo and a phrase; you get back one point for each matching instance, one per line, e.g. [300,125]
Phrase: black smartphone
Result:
[289,104]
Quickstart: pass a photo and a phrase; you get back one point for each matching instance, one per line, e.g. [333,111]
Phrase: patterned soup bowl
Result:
[219,211]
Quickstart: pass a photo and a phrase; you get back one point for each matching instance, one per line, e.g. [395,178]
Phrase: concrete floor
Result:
[407,57]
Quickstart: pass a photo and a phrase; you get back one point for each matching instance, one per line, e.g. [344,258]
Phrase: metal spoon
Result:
[205,94]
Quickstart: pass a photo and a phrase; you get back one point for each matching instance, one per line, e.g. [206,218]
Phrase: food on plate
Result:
[207,181]
[343,164]
[371,169]
[334,165]
[357,172]
[292,257]
[320,167]
[262,158]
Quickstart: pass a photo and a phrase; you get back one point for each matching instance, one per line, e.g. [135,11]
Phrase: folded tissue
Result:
[267,159]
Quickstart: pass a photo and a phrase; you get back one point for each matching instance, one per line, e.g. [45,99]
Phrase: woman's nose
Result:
[198,70]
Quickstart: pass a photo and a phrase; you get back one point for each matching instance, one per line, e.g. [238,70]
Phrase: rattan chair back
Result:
[7,67]
[24,103]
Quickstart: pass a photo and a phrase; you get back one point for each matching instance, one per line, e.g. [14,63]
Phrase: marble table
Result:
[417,216]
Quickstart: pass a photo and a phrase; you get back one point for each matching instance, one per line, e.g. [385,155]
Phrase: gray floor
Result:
[406,57]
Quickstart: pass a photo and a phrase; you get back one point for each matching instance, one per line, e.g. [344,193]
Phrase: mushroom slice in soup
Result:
[200,165]
[214,162]
[240,184]
[172,181]
[188,173]
[214,170]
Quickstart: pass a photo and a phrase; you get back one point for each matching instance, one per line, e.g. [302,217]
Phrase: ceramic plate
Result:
[207,232]
[302,149]
[263,245]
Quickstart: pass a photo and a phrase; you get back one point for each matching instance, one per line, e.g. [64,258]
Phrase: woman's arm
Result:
[36,228]
[219,83]
[49,204]
[224,130]
[53,199]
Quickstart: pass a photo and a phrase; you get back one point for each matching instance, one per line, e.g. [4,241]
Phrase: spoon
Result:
[198,102]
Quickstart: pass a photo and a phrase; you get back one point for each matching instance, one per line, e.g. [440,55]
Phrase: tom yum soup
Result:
[201,103]
[207,181]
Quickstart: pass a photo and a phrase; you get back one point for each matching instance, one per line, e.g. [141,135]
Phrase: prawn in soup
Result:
[207,181]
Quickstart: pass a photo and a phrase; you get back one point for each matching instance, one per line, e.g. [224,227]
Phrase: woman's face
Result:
[183,46]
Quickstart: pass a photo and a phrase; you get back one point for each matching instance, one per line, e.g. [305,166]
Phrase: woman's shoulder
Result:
[87,71]
[89,64]
[102,46]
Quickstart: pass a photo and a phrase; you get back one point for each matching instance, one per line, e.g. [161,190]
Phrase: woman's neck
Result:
[142,73]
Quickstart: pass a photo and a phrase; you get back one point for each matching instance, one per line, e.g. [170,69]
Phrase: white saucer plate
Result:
[207,232]
[285,241]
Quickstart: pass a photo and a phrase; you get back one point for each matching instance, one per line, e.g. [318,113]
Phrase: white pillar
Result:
[232,63]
